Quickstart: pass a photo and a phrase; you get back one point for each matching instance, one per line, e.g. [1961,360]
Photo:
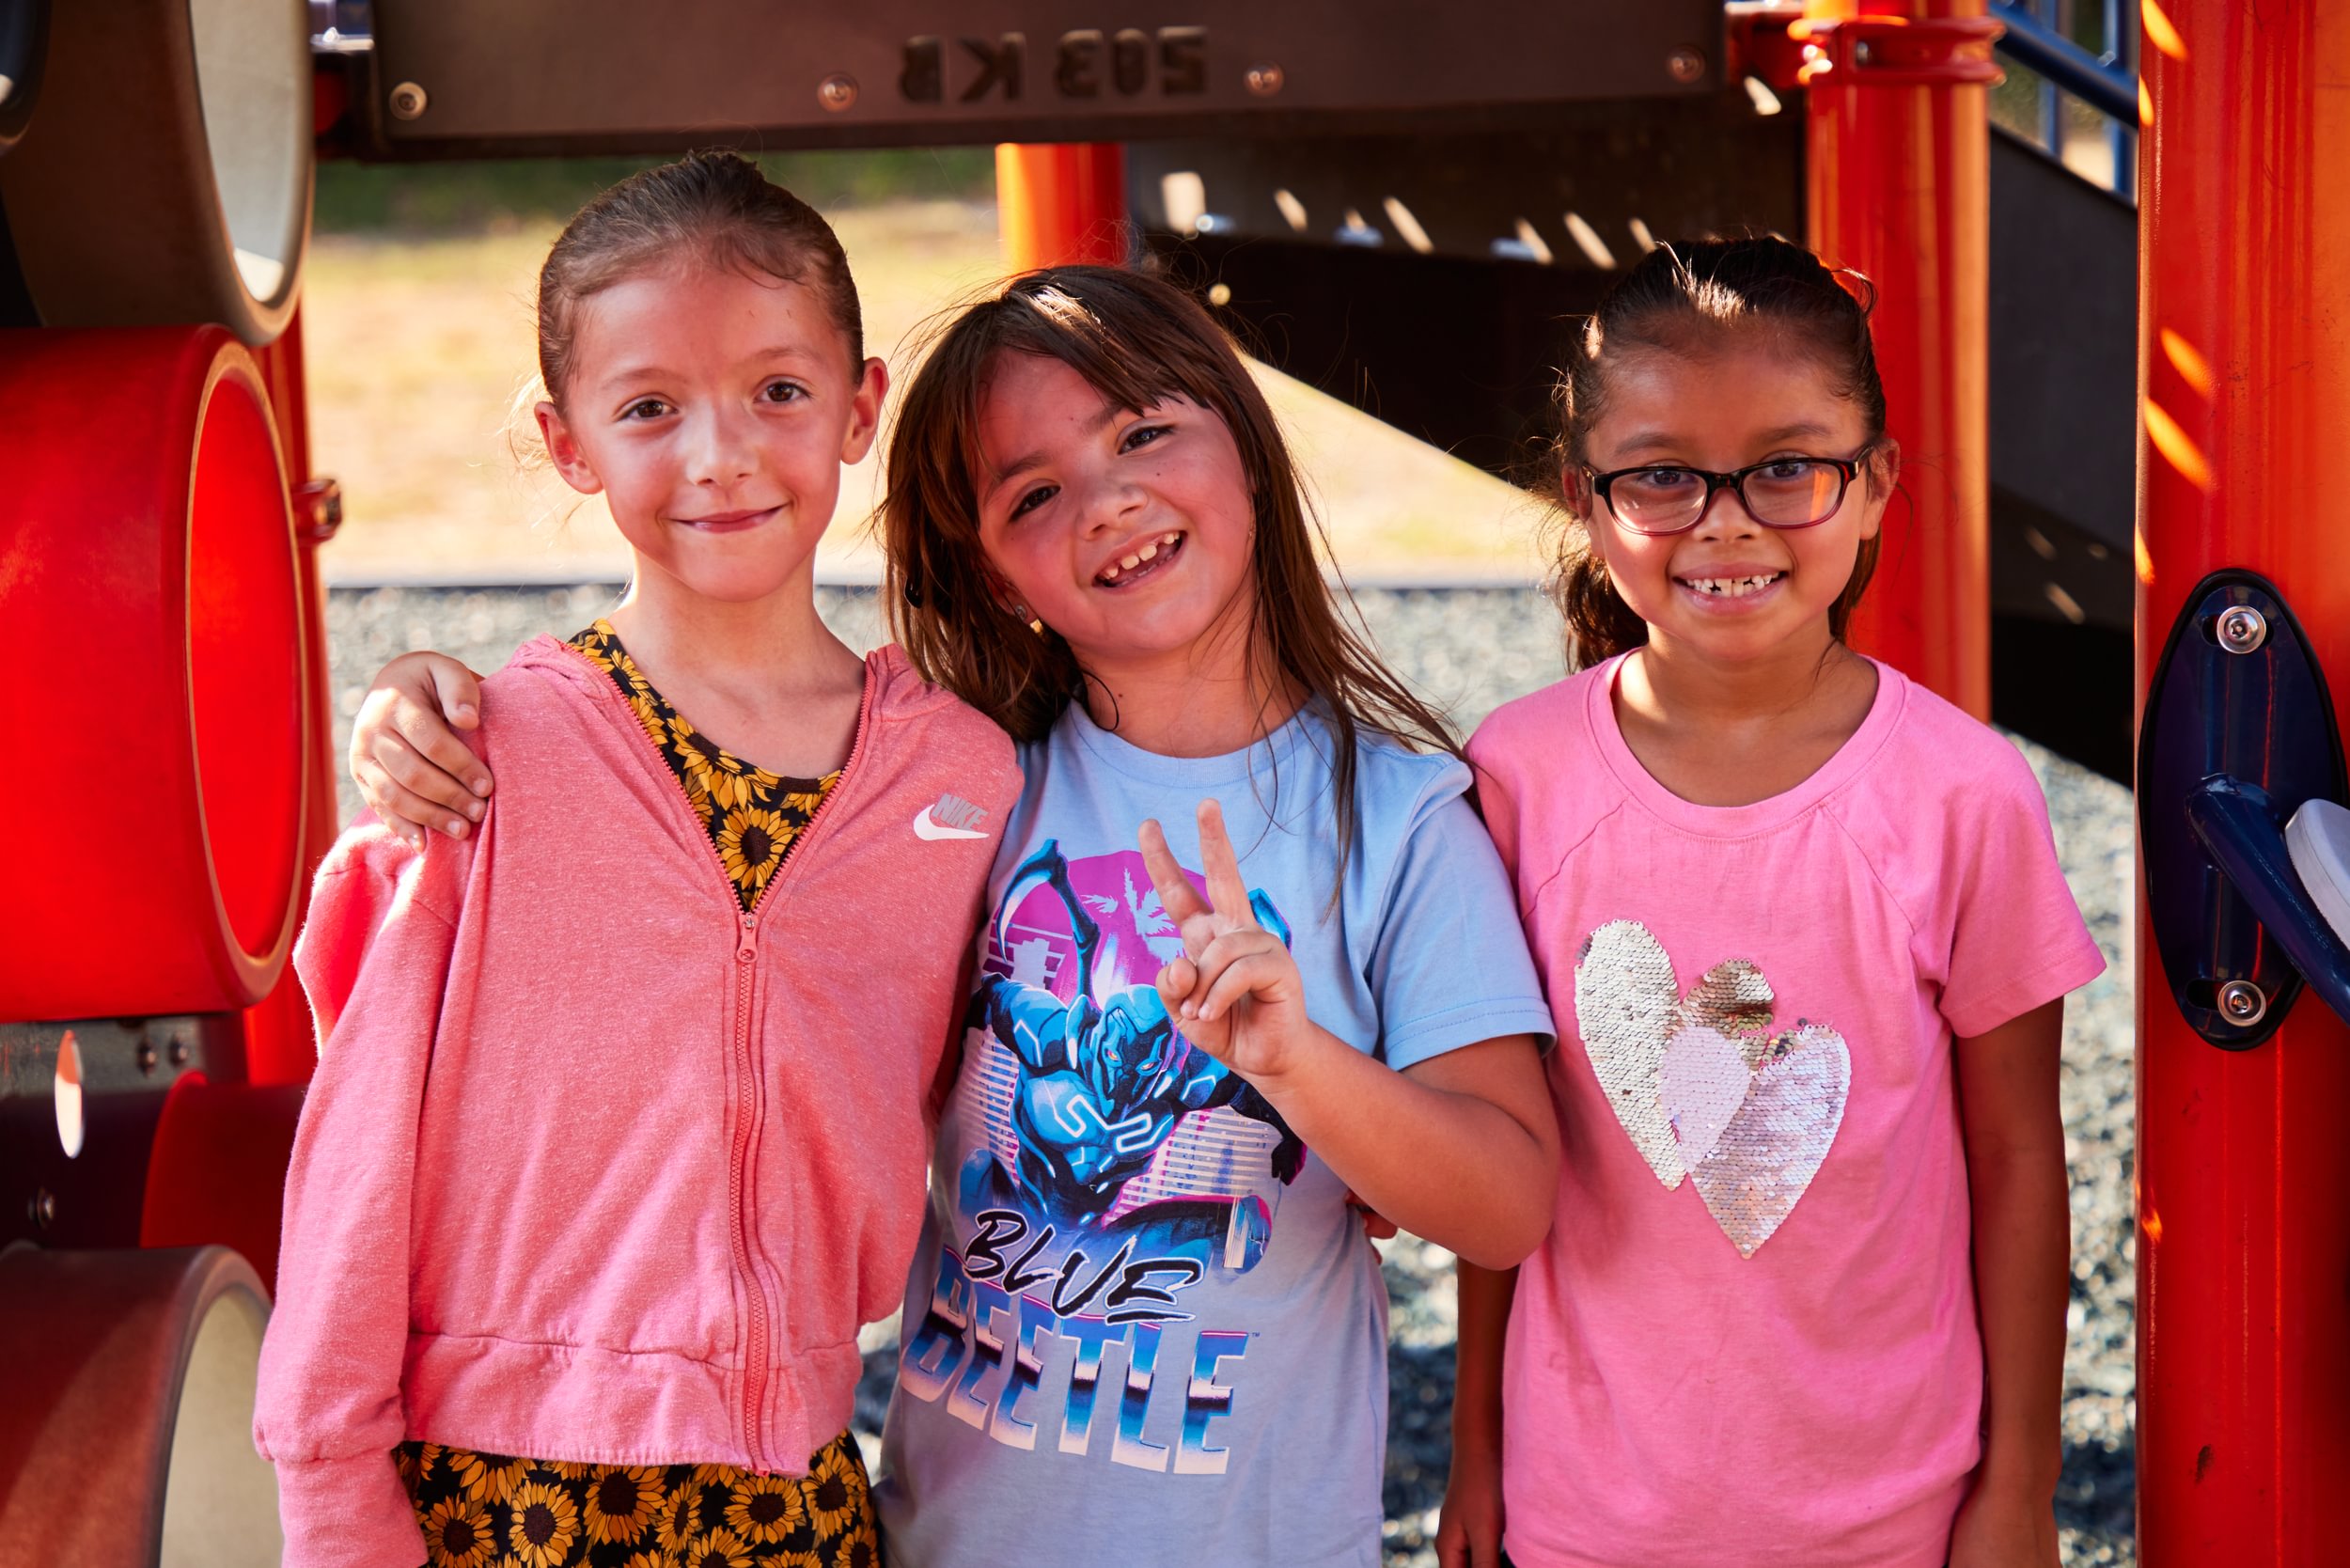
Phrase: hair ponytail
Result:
[1677,298]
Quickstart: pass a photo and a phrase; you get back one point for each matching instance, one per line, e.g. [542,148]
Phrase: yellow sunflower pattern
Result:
[753,816]
[489,1510]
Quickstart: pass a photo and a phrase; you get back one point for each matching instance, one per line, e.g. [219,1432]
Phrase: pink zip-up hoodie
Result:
[596,1167]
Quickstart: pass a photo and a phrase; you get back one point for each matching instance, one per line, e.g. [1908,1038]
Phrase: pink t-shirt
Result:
[1750,1336]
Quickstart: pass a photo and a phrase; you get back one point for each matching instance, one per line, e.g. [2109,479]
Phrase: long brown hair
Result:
[1677,297]
[1138,341]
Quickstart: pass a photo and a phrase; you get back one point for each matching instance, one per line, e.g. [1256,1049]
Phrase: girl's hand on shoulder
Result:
[1235,993]
[1468,1534]
[2004,1526]
[411,768]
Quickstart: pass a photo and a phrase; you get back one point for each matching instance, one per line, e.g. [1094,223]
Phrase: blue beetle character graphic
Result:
[1102,1082]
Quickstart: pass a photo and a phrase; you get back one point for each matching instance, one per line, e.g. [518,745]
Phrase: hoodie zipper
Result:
[746,964]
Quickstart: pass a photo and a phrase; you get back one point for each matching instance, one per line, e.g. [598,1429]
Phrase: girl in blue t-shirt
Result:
[1247,957]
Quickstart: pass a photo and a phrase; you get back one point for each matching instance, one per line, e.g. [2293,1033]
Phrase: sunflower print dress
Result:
[753,816]
[491,1510]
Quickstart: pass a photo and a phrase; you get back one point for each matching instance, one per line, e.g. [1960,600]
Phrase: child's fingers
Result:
[1226,892]
[1176,896]
[406,814]
[1256,950]
[456,691]
[1177,978]
[1462,1545]
[1232,981]
[415,772]
[421,724]
[1378,1226]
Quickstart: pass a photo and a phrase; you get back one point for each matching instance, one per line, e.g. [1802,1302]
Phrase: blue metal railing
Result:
[2039,38]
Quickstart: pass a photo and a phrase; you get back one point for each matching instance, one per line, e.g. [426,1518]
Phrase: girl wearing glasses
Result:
[1806,944]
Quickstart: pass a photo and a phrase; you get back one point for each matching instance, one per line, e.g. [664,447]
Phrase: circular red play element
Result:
[150,636]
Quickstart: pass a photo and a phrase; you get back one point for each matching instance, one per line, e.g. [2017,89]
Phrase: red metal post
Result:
[1057,204]
[2243,1165]
[1899,170]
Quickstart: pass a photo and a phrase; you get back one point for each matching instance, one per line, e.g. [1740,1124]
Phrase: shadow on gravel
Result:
[2097,1498]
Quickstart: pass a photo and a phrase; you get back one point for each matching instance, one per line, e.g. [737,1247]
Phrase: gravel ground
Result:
[1471,649]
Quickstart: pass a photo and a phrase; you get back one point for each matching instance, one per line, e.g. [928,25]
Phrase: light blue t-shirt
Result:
[1142,1325]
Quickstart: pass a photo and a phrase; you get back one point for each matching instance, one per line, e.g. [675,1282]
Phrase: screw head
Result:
[1267,79]
[177,1052]
[407,102]
[147,1056]
[2241,629]
[1685,63]
[837,92]
[2243,1002]
[41,1208]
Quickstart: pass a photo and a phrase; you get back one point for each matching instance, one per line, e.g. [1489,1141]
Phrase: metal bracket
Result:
[318,510]
[2239,732]
[1899,51]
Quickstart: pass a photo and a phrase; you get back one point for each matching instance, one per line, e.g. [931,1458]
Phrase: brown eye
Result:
[1659,485]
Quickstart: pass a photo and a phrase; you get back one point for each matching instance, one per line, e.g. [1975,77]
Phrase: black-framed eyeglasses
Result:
[1782,492]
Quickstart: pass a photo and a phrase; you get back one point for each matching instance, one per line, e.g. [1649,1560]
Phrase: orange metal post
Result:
[2243,1164]
[1059,204]
[1899,172]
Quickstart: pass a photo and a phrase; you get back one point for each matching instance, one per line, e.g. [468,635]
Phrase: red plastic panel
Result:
[147,607]
[218,1172]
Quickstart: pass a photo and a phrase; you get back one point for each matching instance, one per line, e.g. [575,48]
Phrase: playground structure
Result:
[1397,201]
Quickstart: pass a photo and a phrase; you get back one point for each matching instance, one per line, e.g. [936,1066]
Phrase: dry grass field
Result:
[416,347]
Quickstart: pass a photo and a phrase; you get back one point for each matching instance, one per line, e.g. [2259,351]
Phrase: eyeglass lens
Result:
[1790,495]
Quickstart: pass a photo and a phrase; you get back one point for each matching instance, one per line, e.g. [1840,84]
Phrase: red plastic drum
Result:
[151,638]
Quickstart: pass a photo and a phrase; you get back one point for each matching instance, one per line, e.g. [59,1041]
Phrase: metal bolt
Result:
[2243,1002]
[837,92]
[147,1056]
[318,509]
[178,1054]
[1863,53]
[1685,63]
[41,1208]
[407,102]
[2241,629]
[1267,79]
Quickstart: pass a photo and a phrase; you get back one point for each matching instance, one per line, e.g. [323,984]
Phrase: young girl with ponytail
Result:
[1806,945]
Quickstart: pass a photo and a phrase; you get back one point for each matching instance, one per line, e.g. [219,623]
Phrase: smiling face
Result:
[713,411]
[1730,589]
[1128,533]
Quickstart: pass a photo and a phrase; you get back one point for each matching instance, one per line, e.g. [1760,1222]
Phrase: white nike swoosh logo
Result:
[925,828]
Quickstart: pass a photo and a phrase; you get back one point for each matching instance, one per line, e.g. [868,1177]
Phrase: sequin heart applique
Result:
[1702,1087]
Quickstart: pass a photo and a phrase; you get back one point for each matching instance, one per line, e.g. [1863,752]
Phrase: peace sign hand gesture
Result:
[1236,992]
